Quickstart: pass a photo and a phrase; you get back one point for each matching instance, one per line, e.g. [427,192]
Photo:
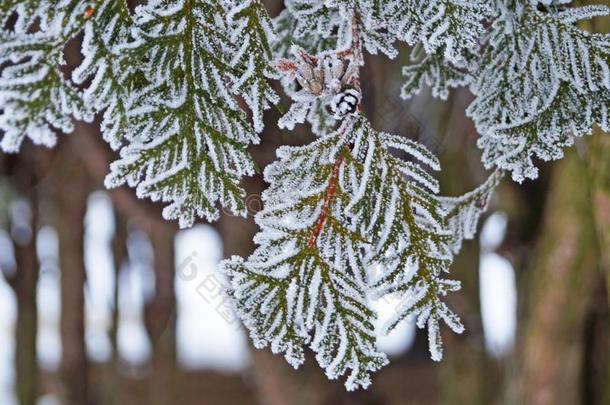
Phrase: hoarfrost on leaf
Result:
[186,135]
[35,99]
[542,82]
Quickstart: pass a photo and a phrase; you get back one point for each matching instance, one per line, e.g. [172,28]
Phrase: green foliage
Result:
[108,65]
[254,29]
[166,80]
[186,134]
[35,99]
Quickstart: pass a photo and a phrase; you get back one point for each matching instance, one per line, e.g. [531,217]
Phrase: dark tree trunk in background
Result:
[597,333]
[71,191]
[160,316]
[599,176]
[561,289]
[24,174]
[598,170]
[466,371]
[24,284]
[119,256]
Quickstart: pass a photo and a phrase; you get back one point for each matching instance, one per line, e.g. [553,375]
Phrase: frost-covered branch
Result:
[168,81]
[335,210]
[542,82]
[186,135]
[107,68]
[35,99]
[305,283]
[539,80]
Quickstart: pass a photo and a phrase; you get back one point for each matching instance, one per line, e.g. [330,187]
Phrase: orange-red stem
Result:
[330,193]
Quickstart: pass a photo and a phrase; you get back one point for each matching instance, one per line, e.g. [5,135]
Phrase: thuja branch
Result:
[351,206]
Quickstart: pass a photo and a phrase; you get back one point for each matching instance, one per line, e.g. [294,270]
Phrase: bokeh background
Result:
[103,302]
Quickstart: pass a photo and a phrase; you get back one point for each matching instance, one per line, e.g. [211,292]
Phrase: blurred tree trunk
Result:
[466,370]
[598,332]
[24,279]
[562,280]
[24,172]
[160,316]
[119,255]
[71,187]
[599,171]
[24,283]
[159,312]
